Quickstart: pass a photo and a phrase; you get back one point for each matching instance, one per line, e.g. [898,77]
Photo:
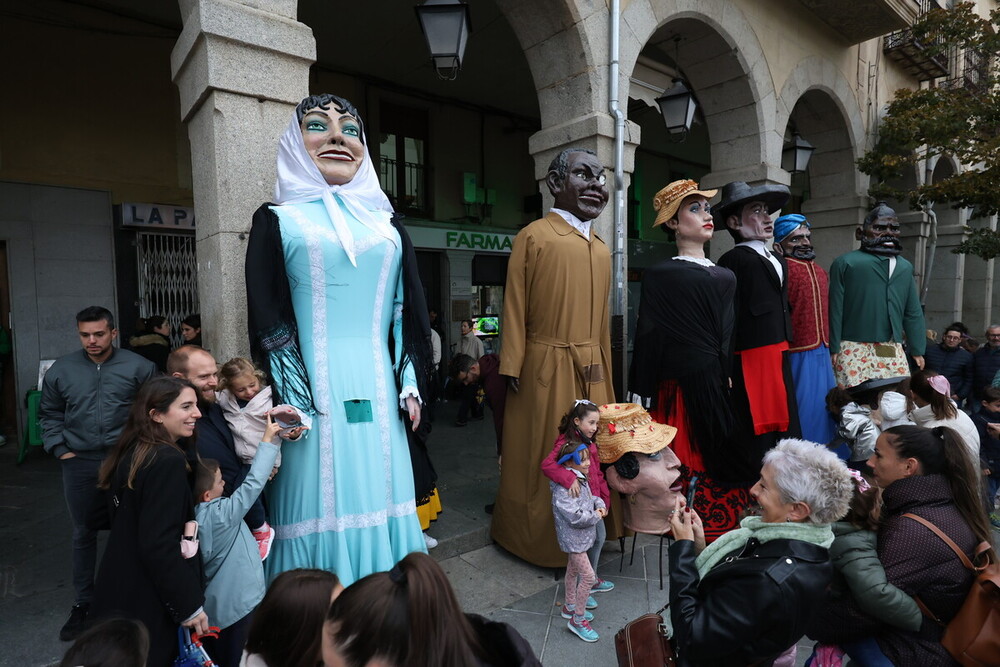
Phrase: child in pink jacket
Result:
[580,425]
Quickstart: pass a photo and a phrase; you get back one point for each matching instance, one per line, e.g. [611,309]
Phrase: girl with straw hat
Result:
[683,354]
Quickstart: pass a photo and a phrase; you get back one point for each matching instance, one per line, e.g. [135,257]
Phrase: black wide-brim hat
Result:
[736,194]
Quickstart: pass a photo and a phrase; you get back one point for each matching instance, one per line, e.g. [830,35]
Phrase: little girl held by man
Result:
[580,500]
[245,399]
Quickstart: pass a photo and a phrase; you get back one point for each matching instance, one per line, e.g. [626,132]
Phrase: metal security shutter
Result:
[168,278]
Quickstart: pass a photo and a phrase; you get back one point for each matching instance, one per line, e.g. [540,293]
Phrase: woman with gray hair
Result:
[746,598]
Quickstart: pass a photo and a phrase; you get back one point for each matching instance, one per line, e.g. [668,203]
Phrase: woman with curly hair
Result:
[746,598]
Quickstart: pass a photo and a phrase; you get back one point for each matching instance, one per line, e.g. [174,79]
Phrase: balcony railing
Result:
[914,57]
[904,48]
[403,183]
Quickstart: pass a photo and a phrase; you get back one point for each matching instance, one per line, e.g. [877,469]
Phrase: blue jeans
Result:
[594,553]
[866,653]
[80,487]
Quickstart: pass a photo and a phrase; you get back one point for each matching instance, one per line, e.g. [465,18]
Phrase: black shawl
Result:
[684,333]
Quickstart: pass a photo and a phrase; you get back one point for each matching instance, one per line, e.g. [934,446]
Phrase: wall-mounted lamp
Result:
[795,155]
[445,24]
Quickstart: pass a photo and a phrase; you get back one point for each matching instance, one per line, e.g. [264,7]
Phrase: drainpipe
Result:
[931,241]
[619,347]
[931,249]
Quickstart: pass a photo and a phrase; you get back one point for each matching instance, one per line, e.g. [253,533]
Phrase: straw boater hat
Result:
[667,200]
[626,427]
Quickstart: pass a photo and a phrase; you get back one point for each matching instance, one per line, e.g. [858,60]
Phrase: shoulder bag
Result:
[973,636]
[644,642]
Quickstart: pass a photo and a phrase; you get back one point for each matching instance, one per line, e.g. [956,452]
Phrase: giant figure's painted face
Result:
[583,192]
[879,234]
[754,222]
[333,140]
[798,245]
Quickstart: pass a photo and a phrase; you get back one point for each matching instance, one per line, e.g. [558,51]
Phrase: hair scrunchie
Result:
[940,384]
[397,575]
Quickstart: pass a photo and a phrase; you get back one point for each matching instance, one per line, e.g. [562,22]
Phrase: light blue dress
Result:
[343,499]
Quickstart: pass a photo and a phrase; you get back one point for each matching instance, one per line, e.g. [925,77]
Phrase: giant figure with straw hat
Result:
[682,357]
[763,392]
[808,300]
[643,467]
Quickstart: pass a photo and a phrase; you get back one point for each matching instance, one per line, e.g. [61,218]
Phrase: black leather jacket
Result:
[751,606]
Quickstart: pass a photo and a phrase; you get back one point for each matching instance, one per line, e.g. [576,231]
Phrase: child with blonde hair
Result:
[246,401]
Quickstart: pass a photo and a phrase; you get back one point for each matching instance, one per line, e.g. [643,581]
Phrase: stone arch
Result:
[565,43]
[817,101]
[724,64]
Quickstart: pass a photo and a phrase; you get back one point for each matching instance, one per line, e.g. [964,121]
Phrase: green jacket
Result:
[867,306]
[859,571]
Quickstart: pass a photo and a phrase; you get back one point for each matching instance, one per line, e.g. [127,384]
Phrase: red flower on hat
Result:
[611,428]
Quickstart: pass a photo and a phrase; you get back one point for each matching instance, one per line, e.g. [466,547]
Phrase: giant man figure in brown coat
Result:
[556,347]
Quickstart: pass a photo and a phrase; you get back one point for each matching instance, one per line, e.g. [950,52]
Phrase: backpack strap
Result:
[981,549]
[947,540]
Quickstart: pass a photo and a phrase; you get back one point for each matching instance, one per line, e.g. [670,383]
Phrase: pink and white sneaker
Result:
[264,536]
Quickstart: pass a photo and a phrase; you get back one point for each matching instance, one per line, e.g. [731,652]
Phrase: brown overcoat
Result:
[557,341]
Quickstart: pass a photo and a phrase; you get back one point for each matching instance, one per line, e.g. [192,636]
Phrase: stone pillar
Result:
[240,67]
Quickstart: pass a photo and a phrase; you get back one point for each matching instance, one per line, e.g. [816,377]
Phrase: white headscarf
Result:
[299,180]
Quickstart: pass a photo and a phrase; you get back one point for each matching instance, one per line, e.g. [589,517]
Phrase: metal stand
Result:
[621,562]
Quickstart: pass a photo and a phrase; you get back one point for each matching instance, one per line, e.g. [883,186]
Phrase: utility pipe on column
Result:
[619,347]
[932,240]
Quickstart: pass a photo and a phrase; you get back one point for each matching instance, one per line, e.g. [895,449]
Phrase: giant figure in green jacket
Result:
[874,307]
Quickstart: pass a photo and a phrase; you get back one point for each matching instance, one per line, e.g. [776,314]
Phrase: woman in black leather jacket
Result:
[746,598]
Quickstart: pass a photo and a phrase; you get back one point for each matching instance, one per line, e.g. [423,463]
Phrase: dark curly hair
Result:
[323,101]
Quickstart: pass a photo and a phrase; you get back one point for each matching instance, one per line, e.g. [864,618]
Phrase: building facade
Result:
[176,105]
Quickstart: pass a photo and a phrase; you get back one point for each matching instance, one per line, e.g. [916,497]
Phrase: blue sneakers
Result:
[566,613]
[602,586]
[591,603]
[583,630]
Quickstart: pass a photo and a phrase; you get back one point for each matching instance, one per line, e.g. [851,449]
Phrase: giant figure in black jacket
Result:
[763,395]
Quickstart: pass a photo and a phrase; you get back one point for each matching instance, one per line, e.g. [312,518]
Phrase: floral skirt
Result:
[860,362]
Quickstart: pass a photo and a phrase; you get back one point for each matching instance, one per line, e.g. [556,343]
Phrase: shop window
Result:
[403,164]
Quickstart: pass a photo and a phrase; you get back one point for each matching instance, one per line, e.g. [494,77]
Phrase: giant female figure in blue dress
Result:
[338,321]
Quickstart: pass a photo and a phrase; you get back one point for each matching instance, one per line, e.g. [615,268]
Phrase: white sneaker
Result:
[430,541]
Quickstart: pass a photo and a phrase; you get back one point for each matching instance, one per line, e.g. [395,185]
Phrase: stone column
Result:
[240,67]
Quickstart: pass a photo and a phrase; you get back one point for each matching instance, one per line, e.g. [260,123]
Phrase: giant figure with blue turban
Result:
[808,301]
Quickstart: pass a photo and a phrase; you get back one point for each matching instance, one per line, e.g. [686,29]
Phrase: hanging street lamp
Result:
[795,155]
[445,24]
[677,106]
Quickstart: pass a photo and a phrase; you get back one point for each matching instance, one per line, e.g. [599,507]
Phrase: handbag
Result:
[644,642]
[973,636]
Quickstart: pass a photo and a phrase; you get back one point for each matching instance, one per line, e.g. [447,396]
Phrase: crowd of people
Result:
[780,432]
